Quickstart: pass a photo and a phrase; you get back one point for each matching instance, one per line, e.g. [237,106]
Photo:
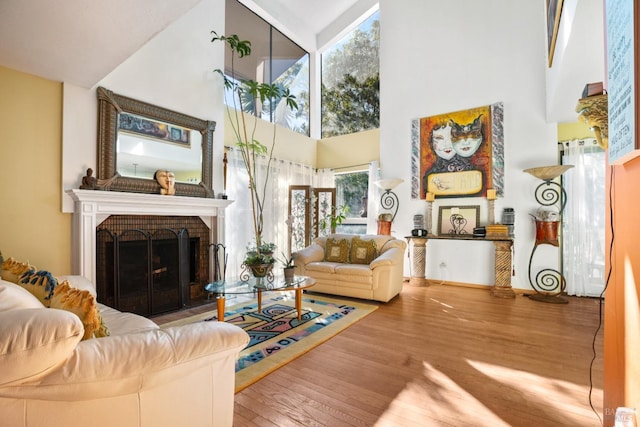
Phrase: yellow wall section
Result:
[289,145]
[348,150]
[32,226]
[574,130]
[337,152]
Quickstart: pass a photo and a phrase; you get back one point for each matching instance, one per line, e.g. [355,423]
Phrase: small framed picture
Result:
[458,220]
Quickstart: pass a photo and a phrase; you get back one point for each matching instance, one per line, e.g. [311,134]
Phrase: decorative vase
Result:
[288,273]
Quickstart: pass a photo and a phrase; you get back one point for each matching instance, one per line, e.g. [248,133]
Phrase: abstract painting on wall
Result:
[458,154]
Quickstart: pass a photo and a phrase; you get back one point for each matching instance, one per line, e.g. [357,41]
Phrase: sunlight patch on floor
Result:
[441,303]
[441,398]
[438,397]
[555,390]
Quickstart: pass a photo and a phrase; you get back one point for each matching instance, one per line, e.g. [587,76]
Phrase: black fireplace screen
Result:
[147,272]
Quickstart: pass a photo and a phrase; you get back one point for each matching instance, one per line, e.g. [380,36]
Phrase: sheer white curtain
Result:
[324,178]
[373,196]
[239,230]
[583,217]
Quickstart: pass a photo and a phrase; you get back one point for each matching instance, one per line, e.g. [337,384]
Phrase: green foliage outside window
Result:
[351,107]
[351,191]
[351,82]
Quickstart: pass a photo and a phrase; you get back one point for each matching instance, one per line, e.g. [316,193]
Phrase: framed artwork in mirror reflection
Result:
[155,129]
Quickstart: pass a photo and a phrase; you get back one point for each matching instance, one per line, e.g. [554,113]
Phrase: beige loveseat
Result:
[140,375]
[372,267]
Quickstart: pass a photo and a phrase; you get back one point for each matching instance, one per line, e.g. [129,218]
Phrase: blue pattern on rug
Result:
[278,320]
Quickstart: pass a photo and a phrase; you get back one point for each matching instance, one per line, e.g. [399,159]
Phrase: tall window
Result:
[351,81]
[351,200]
[274,59]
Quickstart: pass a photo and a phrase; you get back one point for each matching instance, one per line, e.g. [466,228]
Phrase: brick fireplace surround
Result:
[92,207]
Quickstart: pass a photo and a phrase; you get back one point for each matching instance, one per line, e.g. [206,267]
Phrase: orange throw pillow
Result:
[12,269]
[83,305]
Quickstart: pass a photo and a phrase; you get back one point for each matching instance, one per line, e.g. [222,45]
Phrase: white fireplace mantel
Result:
[93,207]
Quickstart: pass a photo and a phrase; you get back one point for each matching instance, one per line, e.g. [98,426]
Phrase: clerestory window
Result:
[274,59]
[351,81]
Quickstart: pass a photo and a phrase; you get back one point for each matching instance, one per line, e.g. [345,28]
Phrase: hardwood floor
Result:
[442,356]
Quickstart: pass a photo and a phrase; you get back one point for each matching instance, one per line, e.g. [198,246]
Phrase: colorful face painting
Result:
[441,141]
[456,152]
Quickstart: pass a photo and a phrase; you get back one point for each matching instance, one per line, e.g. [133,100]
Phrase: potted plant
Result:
[244,131]
[267,248]
[288,266]
[259,264]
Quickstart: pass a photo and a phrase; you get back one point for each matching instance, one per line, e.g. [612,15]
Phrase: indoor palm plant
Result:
[251,149]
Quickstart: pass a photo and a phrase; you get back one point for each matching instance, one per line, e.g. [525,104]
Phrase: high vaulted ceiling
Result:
[80,41]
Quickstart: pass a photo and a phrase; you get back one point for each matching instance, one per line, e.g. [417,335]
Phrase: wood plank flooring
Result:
[442,356]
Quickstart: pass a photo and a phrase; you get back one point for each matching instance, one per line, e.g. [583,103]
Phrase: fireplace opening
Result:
[149,270]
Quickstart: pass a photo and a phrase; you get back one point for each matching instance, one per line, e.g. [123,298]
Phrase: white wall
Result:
[444,56]
[173,70]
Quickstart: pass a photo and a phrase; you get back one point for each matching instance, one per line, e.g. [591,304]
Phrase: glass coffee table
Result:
[258,285]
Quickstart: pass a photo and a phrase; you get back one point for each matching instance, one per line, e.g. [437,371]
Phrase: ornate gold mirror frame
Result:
[110,105]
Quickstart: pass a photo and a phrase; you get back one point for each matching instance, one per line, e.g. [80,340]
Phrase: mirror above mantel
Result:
[136,138]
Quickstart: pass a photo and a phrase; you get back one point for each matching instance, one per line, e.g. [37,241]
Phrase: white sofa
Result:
[379,280]
[140,375]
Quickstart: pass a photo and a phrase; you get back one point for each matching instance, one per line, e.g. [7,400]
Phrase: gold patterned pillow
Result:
[363,251]
[83,305]
[336,250]
[12,269]
[54,294]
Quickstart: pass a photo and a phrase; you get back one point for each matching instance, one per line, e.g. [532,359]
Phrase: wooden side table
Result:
[503,261]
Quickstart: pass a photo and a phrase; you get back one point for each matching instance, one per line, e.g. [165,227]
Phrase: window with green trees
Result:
[351,201]
[351,81]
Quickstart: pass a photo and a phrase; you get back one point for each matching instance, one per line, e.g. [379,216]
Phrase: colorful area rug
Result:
[276,335]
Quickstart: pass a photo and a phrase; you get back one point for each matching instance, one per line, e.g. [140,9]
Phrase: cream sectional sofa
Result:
[140,375]
[379,280]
